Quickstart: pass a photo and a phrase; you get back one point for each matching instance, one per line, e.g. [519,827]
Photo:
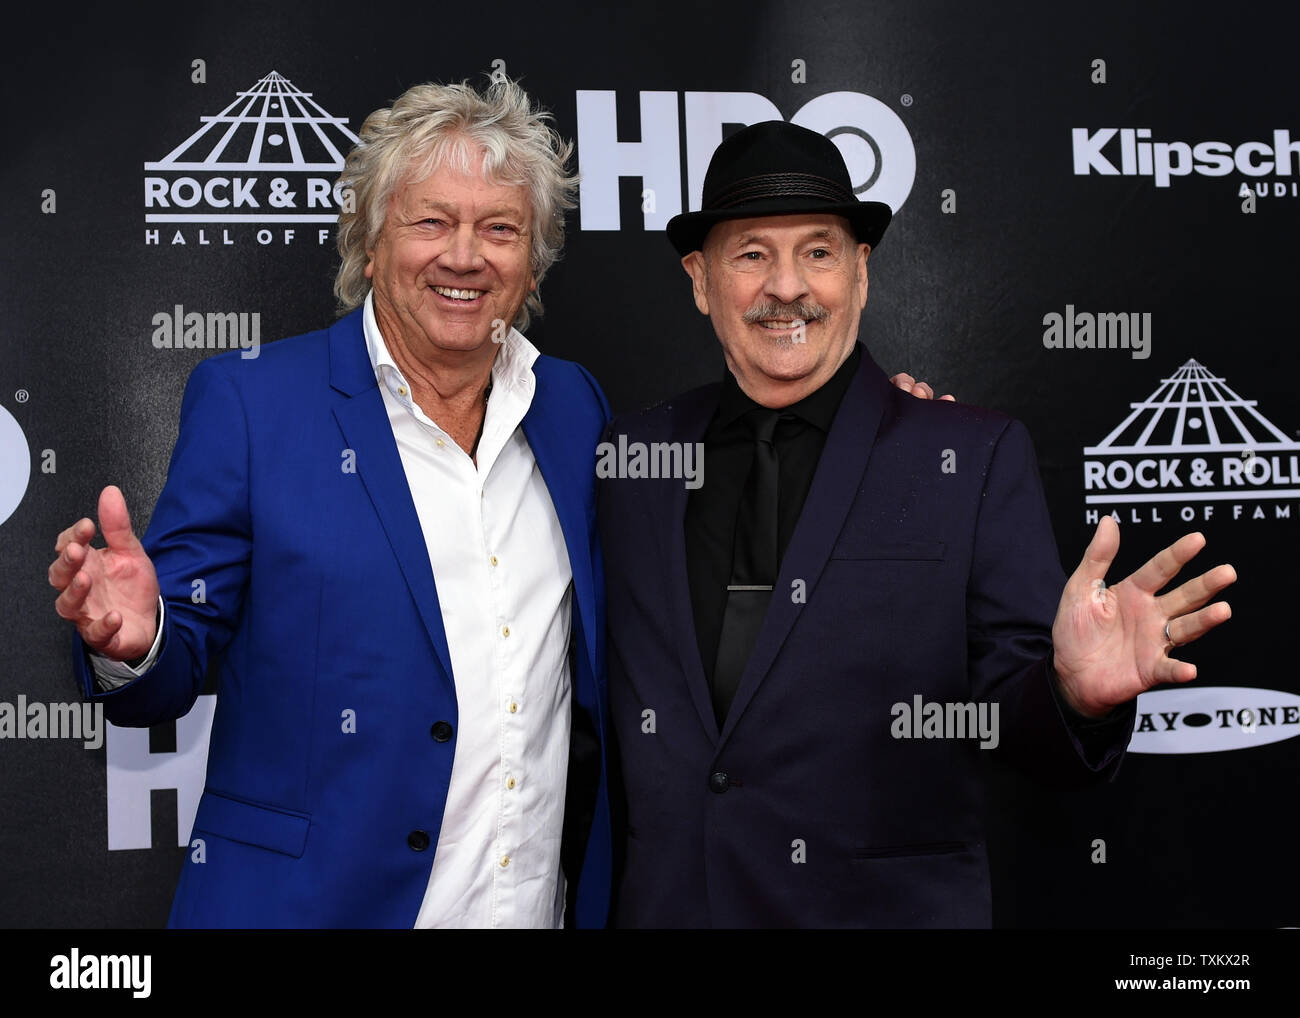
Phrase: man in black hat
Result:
[809,651]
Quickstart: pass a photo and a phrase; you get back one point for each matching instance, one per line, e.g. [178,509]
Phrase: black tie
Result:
[754,562]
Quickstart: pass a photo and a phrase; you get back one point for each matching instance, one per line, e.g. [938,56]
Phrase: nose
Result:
[463,252]
[785,279]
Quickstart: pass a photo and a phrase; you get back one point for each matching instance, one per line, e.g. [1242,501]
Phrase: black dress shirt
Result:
[711,509]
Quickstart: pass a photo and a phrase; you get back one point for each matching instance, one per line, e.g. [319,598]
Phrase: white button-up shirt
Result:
[505,591]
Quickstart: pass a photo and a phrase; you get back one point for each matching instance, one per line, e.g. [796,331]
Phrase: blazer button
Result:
[441,732]
[719,782]
[418,840]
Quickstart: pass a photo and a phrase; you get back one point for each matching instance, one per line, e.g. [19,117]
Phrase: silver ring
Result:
[1169,639]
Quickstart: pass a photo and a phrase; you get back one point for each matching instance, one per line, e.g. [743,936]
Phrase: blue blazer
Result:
[319,591]
[922,564]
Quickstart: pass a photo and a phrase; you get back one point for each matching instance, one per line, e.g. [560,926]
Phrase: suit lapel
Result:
[566,480]
[690,418]
[834,486]
[363,420]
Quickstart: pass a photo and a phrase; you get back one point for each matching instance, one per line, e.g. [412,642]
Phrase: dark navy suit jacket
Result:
[902,578]
[319,592]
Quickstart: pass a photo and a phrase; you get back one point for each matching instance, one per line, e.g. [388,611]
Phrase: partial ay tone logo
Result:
[1192,443]
[261,169]
[1133,152]
[1213,719]
[15,464]
[875,144]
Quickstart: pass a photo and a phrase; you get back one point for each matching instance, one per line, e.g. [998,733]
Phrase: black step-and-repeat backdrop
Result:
[1095,232]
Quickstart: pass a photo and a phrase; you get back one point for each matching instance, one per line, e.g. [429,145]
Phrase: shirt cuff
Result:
[110,674]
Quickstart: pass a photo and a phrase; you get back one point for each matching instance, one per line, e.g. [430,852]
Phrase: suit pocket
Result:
[900,851]
[249,823]
[892,585]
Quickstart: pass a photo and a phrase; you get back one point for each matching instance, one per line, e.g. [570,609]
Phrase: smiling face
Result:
[758,279]
[451,259]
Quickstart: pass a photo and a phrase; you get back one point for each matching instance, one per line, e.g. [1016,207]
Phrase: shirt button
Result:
[514,708]
[418,840]
[401,390]
[505,861]
[493,560]
[510,782]
[440,442]
[505,630]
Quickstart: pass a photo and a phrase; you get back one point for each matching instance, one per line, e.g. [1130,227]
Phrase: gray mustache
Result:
[806,311]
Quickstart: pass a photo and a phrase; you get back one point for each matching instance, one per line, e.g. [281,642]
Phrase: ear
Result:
[694,265]
[863,251]
[370,259]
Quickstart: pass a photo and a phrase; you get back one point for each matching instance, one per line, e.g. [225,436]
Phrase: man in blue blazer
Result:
[812,643]
[386,530]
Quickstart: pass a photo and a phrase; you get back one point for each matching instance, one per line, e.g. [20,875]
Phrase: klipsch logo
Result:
[1192,443]
[1132,152]
[257,169]
[1213,719]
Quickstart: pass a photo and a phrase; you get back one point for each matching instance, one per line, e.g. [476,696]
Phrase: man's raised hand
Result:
[1110,642]
[111,593]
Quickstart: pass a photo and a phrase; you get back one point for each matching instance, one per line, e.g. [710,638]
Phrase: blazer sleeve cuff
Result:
[1100,742]
[110,674]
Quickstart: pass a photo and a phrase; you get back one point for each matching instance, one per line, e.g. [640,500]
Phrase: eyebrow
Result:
[822,233]
[510,211]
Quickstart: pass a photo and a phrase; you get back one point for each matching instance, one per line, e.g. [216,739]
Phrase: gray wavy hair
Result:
[434,125]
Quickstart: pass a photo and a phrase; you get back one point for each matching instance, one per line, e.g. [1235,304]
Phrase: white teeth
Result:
[447,291]
[778,326]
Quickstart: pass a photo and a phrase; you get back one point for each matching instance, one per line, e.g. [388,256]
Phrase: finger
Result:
[1192,627]
[1194,593]
[950,398]
[70,602]
[903,381]
[101,634]
[1170,669]
[114,520]
[1099,554]
[82,531]
[1164,565]
[923,390]
[67,565]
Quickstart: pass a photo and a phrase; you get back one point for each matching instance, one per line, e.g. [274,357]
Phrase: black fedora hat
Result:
[776,169]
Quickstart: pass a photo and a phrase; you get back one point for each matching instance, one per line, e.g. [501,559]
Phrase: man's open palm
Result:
[111,593]
[1110,642]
